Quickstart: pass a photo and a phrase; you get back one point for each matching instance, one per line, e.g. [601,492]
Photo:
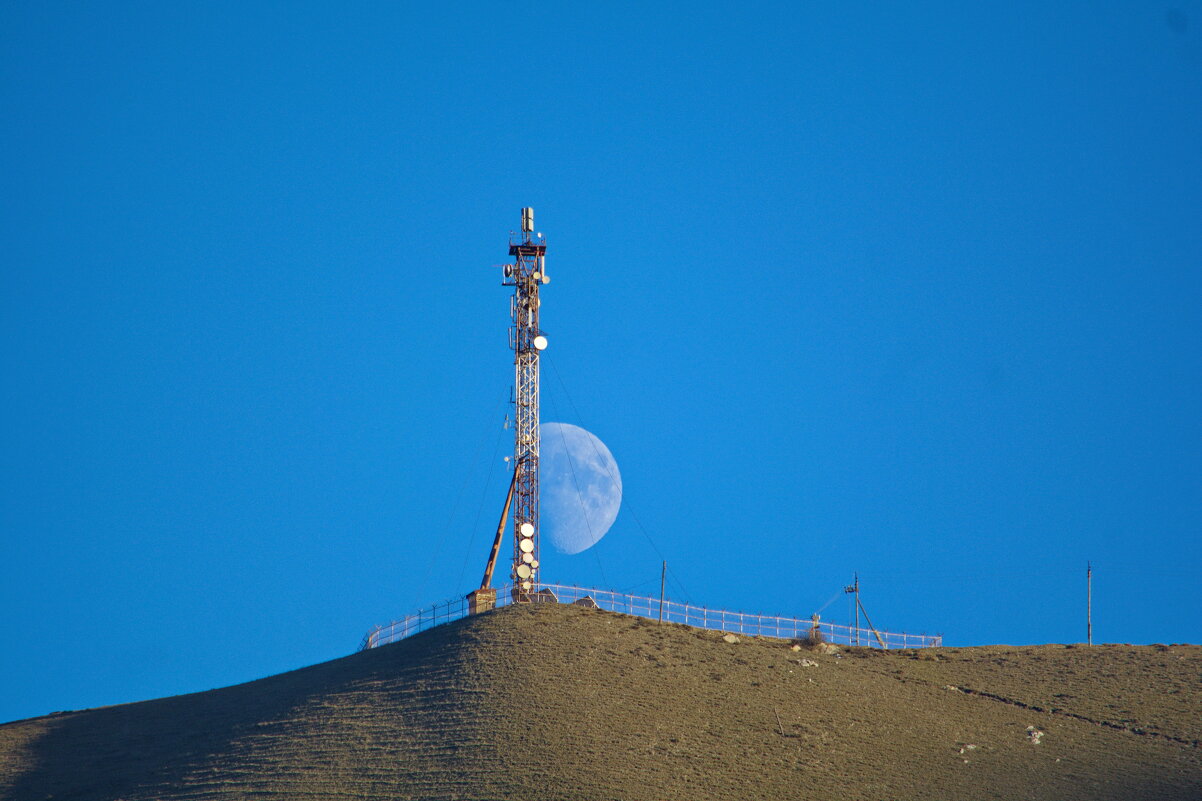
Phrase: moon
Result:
[581,489]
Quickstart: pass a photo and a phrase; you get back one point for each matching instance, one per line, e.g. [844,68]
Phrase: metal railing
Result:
[747,624]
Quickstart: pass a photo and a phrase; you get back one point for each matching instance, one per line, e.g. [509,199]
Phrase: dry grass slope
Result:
[556,702]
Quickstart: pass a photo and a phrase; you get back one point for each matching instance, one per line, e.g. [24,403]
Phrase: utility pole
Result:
[855,588]
[1089,602]
[525,275]
[663,577]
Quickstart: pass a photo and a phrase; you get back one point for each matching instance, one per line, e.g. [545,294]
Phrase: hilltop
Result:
[558,702]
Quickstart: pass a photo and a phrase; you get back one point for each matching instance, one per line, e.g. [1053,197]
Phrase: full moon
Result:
[581,488]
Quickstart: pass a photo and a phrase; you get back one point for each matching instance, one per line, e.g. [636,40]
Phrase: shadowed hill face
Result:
[559,702]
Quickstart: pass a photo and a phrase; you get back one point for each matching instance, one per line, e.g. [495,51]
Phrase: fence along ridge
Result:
[748,624]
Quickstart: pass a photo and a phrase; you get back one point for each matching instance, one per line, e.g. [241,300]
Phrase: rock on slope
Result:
[558,702]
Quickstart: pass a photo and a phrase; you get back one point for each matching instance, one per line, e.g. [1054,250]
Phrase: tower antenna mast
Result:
[526,274]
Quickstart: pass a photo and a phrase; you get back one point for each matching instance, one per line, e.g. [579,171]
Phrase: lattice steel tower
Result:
[525,275]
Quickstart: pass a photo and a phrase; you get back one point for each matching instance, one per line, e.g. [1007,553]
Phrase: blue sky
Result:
[910,291]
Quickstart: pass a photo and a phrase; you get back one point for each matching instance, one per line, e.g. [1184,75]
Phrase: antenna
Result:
[1089,602]
[525,275]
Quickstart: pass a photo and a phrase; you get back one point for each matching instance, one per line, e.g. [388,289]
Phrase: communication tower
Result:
[526,274]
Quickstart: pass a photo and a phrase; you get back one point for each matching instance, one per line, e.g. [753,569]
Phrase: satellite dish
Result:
[528,558]
[525,585]
[526,545]
[534,564]
[546,278]
[508,270]
[540,342]
[523,571]
[527,529]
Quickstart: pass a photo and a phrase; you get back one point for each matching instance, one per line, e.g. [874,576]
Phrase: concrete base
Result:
[481,600]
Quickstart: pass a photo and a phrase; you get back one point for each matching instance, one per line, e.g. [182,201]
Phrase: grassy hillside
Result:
[556,702]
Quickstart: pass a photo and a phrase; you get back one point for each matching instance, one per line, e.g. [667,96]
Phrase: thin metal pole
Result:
[856,585]
[663,577]
[1089,602]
